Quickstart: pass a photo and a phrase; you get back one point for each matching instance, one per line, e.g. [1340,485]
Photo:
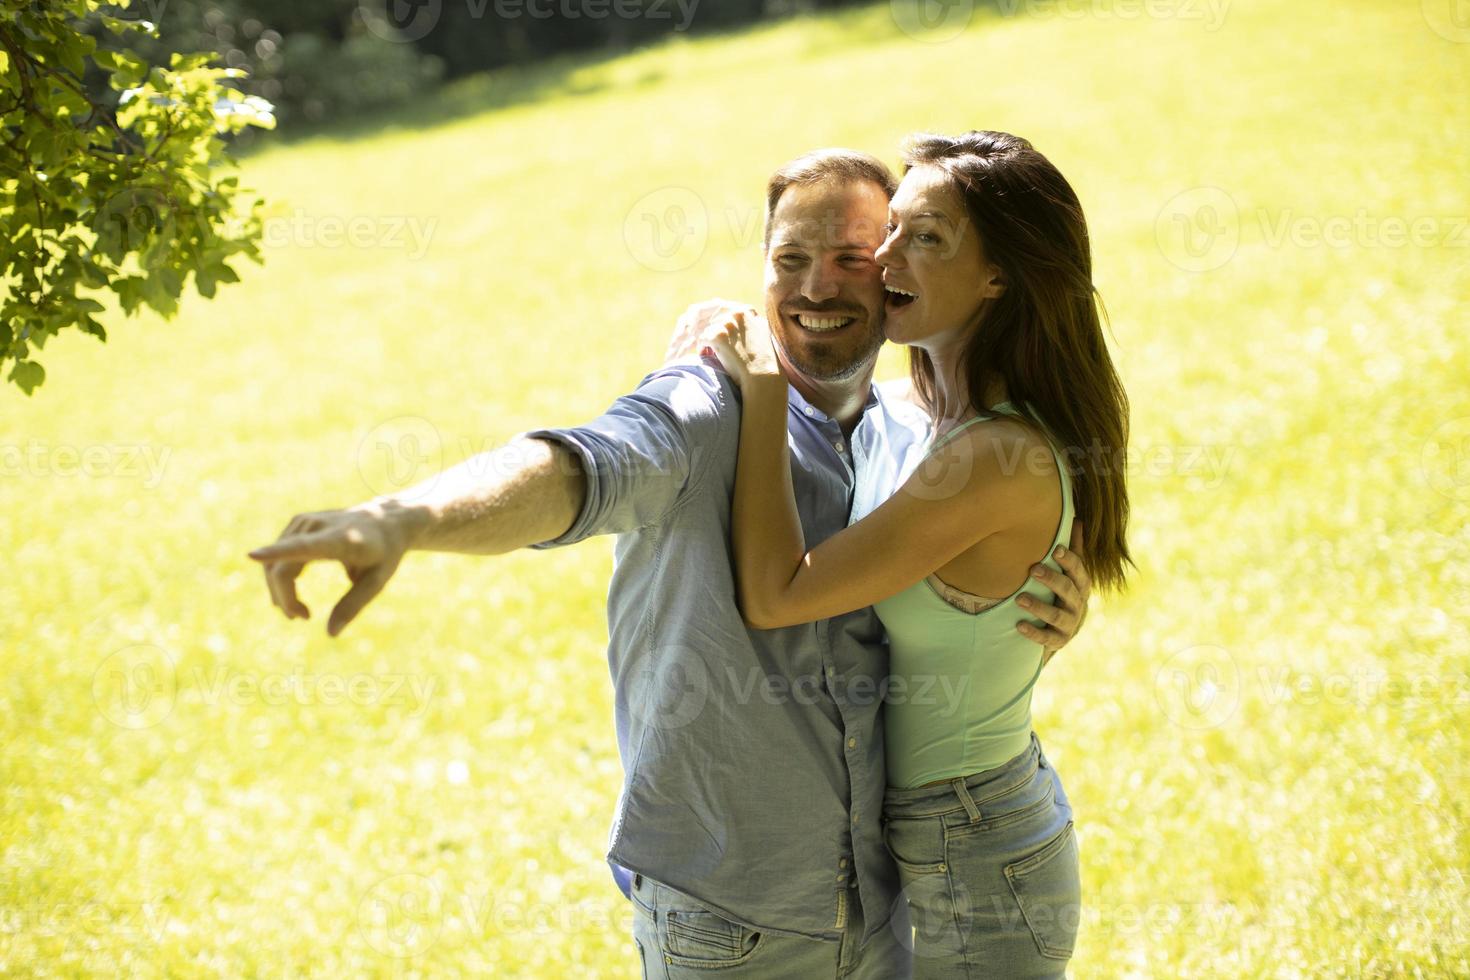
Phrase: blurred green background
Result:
[1265,739]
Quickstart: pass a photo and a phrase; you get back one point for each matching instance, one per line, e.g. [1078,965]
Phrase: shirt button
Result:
[809,411]
[852,743]
[842,863]
[838,444]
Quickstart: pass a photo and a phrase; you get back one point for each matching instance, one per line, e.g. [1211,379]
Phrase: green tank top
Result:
[959,700]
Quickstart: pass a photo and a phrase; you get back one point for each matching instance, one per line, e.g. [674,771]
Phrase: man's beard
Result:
[833,365]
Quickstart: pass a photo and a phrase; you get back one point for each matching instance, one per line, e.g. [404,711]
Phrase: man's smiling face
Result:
[824,291]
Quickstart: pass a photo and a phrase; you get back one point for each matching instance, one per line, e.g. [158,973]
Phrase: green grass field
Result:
[1265,739]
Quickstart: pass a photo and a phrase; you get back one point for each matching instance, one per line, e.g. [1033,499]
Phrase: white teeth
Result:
[821,323]
[901,292]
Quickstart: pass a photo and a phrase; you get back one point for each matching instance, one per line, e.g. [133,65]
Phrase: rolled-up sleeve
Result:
[648,450]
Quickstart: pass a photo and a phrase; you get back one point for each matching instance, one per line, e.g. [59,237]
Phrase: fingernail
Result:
[1060,551]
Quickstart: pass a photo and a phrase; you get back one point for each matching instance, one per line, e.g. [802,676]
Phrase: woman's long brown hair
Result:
[1043,335]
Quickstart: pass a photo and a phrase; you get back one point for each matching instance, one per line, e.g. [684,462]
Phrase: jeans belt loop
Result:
[964,794]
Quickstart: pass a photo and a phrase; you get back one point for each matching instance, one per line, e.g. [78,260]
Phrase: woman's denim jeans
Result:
[989,870]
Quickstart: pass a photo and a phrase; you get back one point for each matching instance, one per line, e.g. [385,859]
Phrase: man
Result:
[753,760]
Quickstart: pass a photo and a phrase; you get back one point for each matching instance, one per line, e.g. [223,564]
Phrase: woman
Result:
[989,279]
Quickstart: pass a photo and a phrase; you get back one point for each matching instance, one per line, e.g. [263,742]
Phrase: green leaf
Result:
[119,25]
[28,375]
[172,211]
[91,326]
[71,57]
[129,291]
[93,275]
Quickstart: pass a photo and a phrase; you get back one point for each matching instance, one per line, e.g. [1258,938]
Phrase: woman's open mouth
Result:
[895,298]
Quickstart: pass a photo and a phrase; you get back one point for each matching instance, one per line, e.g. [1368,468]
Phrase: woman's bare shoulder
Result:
[1010,456]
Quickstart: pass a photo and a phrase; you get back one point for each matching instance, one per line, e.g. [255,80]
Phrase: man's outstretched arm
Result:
[523,493]
[526,492]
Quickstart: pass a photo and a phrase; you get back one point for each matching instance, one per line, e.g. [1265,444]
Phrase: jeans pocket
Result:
[701,938]
[915,845]
[1048,888]
[642,960]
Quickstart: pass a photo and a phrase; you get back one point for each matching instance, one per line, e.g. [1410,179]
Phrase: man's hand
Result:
[688,335]
[369,541]
[1072,590]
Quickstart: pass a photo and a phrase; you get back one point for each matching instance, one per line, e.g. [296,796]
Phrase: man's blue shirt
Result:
[753,759]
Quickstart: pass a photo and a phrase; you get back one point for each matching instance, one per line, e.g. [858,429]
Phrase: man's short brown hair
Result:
[836,165]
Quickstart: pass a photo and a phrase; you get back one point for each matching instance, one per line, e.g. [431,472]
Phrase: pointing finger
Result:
[361,593]
[281,579]
[321,545]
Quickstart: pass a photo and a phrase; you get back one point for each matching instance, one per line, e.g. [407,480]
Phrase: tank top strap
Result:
[1068,504]
[1004,408]
[956,431]
[1009,408]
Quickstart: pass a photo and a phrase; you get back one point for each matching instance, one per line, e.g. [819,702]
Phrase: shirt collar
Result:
[799,402]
